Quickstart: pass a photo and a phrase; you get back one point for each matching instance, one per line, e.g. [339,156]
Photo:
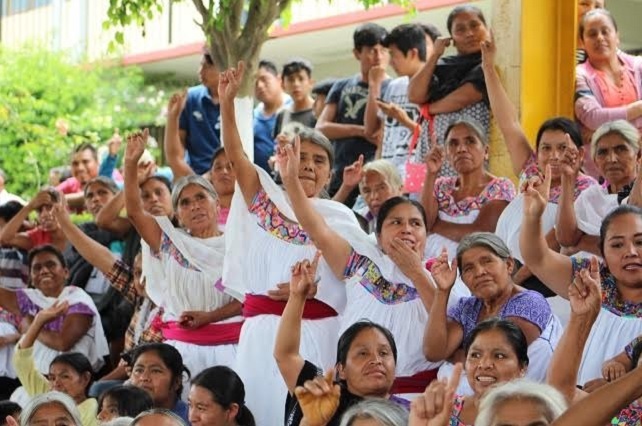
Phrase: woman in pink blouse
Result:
[473,200]
[609,84]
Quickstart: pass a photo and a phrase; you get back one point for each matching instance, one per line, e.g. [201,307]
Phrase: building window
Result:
[12,7]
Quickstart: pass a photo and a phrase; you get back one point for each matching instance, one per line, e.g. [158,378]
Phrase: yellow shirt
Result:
[35,384]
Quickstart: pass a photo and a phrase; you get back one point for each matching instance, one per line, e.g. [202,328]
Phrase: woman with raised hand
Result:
[264,238]
[608,86]
[615,150]
[558,143]
[472,200]
[585,296]
[386,280]
[70,373]
[183,267]
[78,329]
[485,266]
[365,365]
[621,273]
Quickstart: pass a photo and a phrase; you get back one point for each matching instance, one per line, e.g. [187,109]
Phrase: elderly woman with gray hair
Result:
[615,150]
[48,408]
[469,202]
[485,266]
[183,267]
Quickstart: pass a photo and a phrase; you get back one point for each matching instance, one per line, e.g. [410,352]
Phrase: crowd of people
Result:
[365,269]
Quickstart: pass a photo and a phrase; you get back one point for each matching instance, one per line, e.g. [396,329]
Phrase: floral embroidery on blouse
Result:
[371,279]
[167,246]
[498,189]
[458,406]
[611,300]
[531,169]
[628,350]
[629,416]
[271,220]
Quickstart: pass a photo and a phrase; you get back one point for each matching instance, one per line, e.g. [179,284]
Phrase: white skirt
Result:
[265,390]
[609,335]
[540,353]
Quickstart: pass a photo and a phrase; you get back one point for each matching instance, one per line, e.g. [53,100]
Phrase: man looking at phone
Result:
[409,45]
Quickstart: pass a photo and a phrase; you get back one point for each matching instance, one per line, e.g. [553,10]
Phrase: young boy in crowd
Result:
[408,45]
[342,118]
[297,82]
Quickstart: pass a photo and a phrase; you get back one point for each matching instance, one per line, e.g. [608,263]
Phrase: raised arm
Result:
[10,235]
[336,250]
[9,301]
[419,85]
[144,222]
[371,121]
[434,160]
[109,217]
[246,175]
[505,114]
[550,267]
[585,299]
[442,336]
[566,230]
[288,335]
[174,144]
[93,252]
[352,175]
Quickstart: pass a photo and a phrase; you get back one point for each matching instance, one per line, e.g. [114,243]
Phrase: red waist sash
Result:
[207,335]
[262,305]
[413,384]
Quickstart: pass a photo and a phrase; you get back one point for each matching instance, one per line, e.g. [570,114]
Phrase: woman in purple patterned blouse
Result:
[485,265]
[78,330]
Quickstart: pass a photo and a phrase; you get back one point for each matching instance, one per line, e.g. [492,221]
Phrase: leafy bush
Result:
[39,89]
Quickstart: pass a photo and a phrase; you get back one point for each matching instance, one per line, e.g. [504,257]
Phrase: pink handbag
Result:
[416,172]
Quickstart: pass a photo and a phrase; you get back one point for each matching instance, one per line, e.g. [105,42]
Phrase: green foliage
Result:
[123,13]
[40,88]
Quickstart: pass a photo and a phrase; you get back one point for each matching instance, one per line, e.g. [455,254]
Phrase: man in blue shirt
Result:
[199,124]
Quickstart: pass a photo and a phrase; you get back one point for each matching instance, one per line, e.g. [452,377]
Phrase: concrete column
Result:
[536,61]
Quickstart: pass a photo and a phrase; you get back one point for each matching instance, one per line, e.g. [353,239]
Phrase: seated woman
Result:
[473,200]
[485,265]
[608,86]
[183,267]
[386,280]
[125,280]
[158,369]
[615,150]
[375,412]
[47,231]
[496,353]
[378,181]
[584,293]
[221,174]
[123,401]
[365,366]
[217,397]
[50,408]
[522,402]
[454,86]
[70,373]
[77,330]
[552,146]
[621,277]
[259,271]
